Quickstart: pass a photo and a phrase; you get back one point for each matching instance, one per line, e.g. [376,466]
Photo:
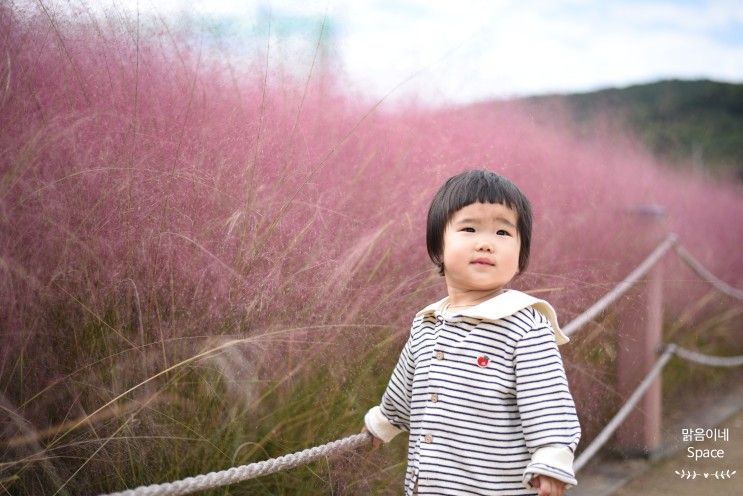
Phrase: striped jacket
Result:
[484,397]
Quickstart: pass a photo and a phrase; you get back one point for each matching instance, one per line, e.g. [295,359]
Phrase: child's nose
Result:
[484,245]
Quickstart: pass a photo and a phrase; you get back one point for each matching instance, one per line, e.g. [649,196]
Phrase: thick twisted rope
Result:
[250,471]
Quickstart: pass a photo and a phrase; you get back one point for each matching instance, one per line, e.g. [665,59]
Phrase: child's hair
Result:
[472,187]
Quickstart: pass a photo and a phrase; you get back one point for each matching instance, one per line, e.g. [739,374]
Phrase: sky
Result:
[444,51]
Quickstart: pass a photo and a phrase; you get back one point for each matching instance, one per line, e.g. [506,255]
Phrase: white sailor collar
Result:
[502,305]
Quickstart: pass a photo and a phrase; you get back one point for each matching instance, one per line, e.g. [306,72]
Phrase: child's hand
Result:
[548,486]
[376,442]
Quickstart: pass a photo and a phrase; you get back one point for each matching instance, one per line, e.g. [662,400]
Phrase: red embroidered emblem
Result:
[483,360]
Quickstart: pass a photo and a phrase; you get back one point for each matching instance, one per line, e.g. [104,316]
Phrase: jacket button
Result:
[439,355]
[428,438]
[434,397]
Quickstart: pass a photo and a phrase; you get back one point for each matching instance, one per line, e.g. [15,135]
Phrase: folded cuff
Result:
[379,426]
[552,461]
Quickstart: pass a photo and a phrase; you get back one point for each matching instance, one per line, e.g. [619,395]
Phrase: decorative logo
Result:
[700,434]
[718,474]
[483,361]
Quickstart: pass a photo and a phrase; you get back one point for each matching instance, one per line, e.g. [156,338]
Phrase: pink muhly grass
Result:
[153,206]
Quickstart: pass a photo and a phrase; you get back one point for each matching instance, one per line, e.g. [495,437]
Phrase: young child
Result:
[480,385]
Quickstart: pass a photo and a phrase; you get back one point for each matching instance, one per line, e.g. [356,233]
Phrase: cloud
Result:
[510,48]
[463,51]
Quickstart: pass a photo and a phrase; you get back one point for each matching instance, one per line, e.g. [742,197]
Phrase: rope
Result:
[620,288]
[605,434]
[707,275]
[639,272]
[250,471]
[712,361]
[245,472]
[694,356]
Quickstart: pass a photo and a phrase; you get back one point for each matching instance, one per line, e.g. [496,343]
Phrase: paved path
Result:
[610,476]
[661,479]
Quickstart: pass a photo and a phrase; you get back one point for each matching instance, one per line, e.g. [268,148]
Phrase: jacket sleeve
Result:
[392,416]
[546,407]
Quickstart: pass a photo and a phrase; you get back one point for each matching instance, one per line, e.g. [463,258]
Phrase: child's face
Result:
[481,247]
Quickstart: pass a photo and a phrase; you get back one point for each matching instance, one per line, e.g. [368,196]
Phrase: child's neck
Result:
[464,299]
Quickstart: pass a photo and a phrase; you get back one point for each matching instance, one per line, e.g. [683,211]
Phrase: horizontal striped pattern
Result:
[473,429]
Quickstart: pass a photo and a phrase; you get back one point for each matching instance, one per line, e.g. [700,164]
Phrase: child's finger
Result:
[559,487]
[545,487]
[554,487]
[541,485]
[537,482]
[375,441]
[534,482]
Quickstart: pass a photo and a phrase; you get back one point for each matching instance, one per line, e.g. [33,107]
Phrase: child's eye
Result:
[503,232]
[468,229]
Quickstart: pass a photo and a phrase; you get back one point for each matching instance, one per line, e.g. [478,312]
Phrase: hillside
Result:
[688,123]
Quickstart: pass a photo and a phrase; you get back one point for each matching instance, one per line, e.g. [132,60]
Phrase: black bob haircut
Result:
[472,187]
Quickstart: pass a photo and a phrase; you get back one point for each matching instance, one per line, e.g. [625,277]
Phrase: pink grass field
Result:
[152,192]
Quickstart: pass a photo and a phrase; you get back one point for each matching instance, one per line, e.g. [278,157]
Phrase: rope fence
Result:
[626,409]
[671,349]
[250,471]
[622,287]
[721,286]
